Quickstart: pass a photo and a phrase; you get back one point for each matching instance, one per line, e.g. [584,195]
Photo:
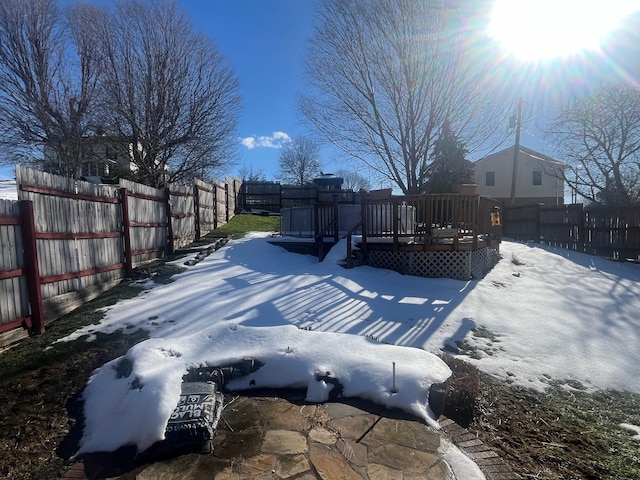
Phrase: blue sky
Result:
[265,42]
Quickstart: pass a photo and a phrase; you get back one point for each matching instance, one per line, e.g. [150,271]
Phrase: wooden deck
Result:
[432,245]
[441,235]
[435,222]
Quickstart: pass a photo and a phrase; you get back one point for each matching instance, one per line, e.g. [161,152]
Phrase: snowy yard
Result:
[541,314]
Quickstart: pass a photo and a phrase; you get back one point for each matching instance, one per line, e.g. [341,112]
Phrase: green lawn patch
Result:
[239,225]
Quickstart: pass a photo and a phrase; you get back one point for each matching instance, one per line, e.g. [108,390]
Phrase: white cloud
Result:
[276,140]
[249,142]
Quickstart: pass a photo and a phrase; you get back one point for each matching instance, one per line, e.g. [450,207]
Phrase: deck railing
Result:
[421,218]
[325,220]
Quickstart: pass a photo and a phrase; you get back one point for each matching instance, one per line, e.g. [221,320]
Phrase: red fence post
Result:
[31,265]
[126,232]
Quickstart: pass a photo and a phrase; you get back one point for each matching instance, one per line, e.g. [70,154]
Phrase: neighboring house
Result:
[102,157]
[539,177]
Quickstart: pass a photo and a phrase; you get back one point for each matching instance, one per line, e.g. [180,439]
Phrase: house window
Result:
[89,169]
[537,177]
[490,179]
[111,153]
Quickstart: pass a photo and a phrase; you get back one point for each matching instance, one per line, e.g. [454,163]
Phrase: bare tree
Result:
[168,90]
[600,135]
[48,75]
[299,161]
[353,180]
[384,76]
[249,174]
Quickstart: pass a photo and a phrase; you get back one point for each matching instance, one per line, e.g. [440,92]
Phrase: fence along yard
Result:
[605,231]
[66,241]
[273,197]
[14,299]
[78,236]
[146,215]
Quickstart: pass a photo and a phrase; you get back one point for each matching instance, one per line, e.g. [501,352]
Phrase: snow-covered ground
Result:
[8,190]
[541,314]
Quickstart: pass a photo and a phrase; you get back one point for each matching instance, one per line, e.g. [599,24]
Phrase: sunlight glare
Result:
[537,29]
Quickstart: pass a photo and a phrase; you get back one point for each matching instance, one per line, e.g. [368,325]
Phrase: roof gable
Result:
[523,150]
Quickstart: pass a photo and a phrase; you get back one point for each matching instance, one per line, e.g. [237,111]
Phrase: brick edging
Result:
[76,472]
[489,462]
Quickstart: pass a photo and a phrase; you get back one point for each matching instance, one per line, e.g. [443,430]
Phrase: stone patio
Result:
[271,437]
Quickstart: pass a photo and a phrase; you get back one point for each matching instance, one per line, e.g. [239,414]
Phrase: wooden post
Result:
[215,205]
[582,230]
[32,268]
[317,233]
[126,232]
[538,223]
[363,216]
[196,209]
[226,201]
[243,195]
[170,238]
[395,212]
[336,219]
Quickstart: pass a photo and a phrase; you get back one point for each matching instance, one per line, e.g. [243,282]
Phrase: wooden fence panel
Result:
[237,189]
[612,232]
[83,241]
[148,226]
[521,222]
[272,196]
[221,203]
[205,207]
[79,244]
[183,215]
[231,197]
[600,230]
[14,295]
[561,226]
[78,239]
[294,196]
[261,196]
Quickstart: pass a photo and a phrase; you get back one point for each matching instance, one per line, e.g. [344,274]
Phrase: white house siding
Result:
[550,192]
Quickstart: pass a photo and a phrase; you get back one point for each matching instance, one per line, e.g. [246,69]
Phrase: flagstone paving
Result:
[270,437]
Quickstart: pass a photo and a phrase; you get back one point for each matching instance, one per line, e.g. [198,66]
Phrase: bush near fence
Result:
[65,241]
[605,231]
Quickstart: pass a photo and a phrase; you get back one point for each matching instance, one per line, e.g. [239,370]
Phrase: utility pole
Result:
[516,151]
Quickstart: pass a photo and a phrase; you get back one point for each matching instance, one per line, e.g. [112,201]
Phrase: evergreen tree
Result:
[449,167]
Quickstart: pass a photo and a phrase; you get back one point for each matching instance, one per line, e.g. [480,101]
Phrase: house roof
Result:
[528,151]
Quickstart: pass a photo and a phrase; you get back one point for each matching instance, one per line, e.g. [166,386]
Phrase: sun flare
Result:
[538,29]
